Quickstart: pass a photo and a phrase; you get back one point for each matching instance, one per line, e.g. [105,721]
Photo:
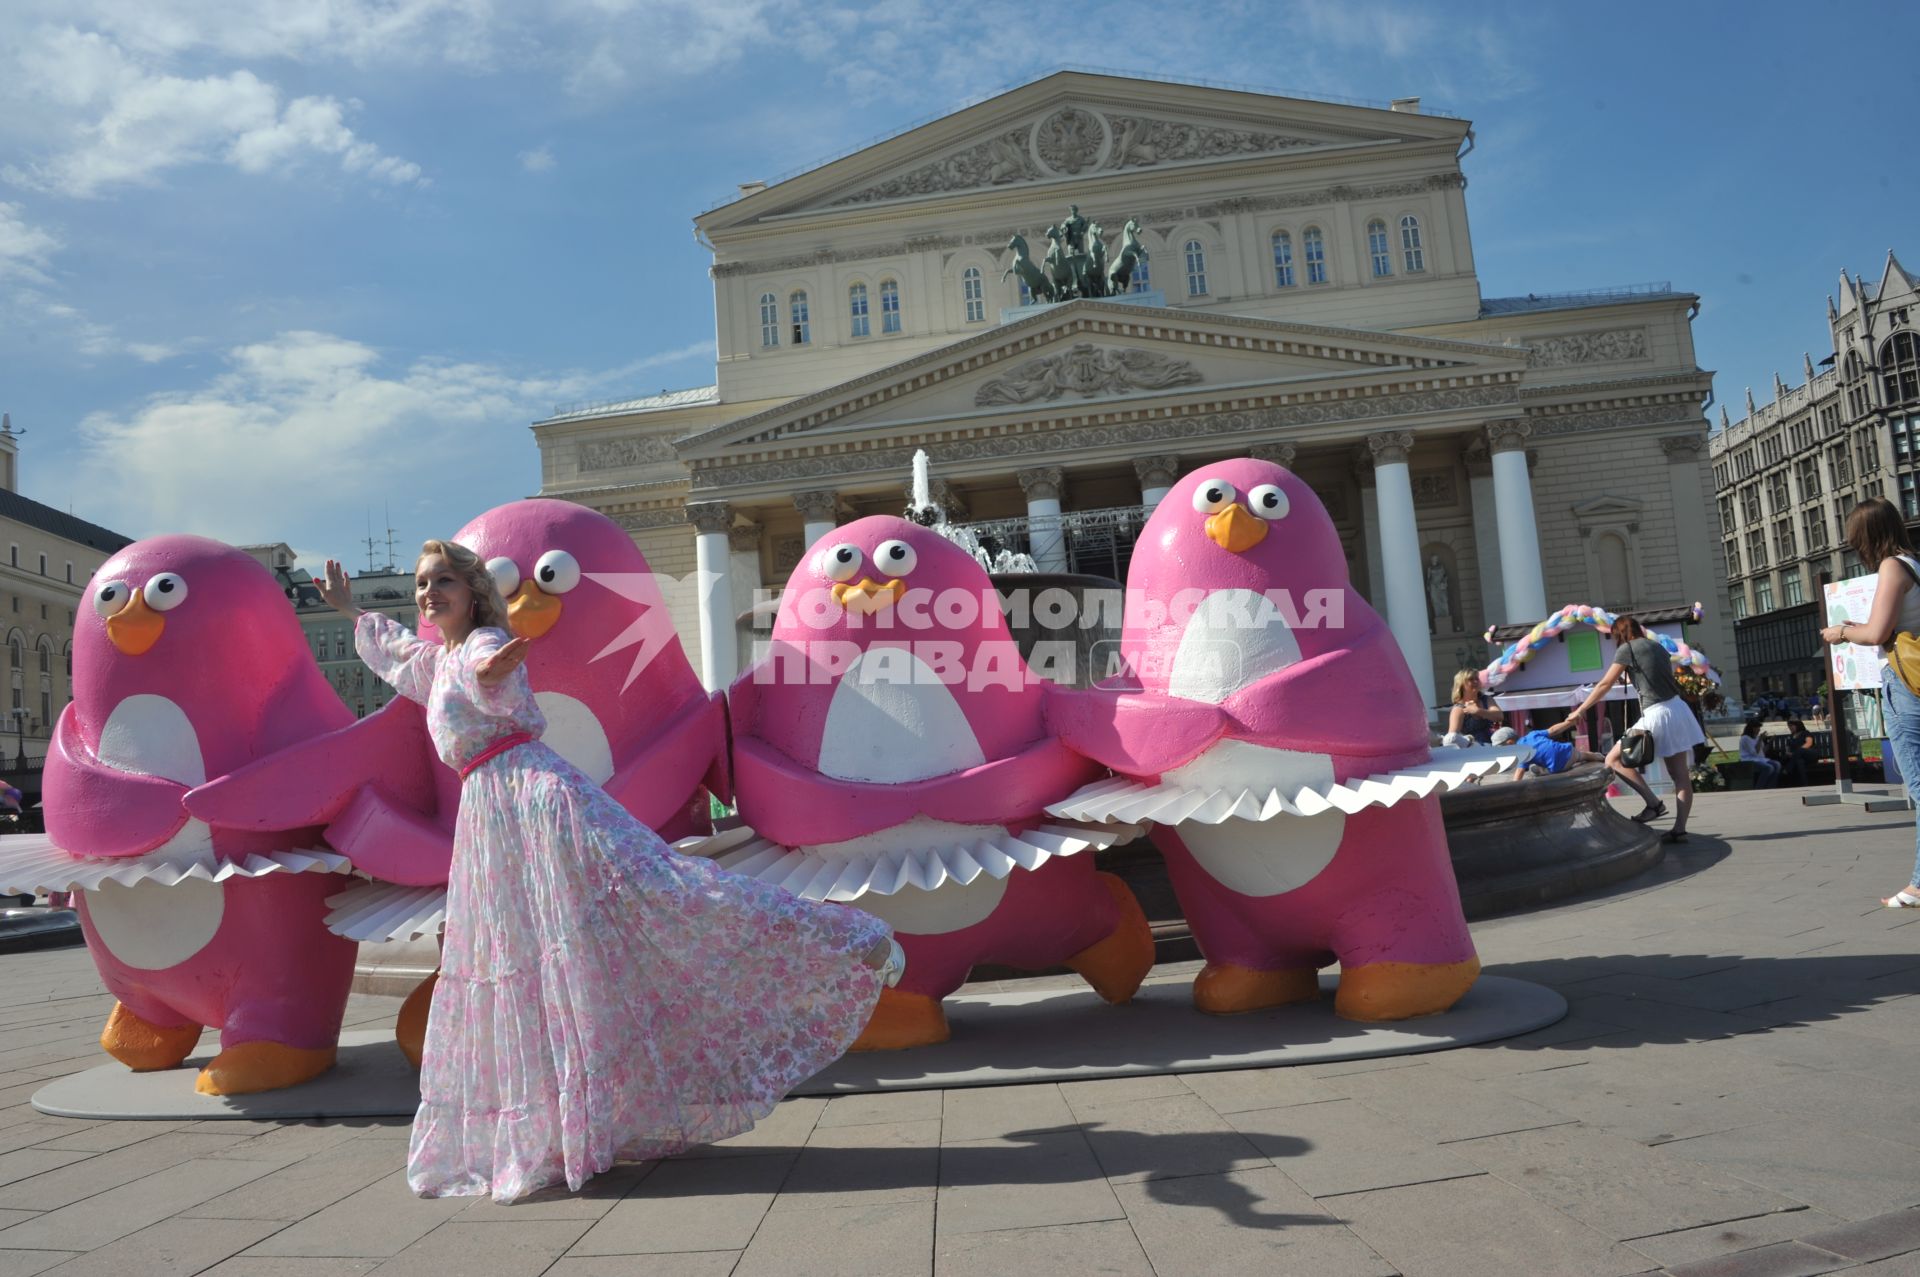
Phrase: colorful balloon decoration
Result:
[1517,653]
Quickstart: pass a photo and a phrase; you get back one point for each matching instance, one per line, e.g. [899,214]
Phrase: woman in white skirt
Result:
[1664,715]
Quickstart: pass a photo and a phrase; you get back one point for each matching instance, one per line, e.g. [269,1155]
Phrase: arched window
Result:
[1378,249]
[1900,369]
[769,320]
[1196,269]
[1282,260]
[1142,277]
[46,659]
[974,291]
[857,307]
[889,305]
[1313,246]
[797,307]
[1410,248]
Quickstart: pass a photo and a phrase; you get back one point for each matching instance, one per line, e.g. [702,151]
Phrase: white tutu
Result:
[1673,727]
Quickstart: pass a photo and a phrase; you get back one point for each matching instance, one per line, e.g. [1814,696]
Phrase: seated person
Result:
[1801,755]
[1553,751]
[1766,772]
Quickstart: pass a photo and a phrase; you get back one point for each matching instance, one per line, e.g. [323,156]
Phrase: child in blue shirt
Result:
[1553,753]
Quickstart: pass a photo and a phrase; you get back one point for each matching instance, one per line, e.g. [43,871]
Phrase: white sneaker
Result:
[895,965]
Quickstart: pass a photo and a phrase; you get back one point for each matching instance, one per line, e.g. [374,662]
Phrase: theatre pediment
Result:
[1083,356]
[1074,126]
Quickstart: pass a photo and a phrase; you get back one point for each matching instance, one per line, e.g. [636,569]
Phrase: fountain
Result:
[1067,624]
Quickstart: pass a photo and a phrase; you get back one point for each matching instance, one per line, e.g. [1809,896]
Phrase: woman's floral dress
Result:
[601,997]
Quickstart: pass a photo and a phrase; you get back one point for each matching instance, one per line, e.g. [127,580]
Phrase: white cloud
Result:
[100,119]
[25,251]
[302,431]
[538,160]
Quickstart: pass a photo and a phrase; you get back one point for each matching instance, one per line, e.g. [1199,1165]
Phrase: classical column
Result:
[743,578]
[712,554]
[1523,587]
[820,510]
[1486,531]
[1400,557]
[1157,474]
[1694,537]
[1043,485]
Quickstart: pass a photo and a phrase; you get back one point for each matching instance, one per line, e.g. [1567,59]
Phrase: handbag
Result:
[1636,748]
[1903,654]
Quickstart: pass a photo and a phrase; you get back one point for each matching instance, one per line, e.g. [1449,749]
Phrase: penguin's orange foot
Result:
[1116,965]
[1402,990]
[261,1066]
[145,1047]
[1224,989]
[902,1020]
[410,1026]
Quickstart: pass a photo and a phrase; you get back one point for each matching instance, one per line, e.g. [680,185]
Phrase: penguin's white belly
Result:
[148,926]
[1234,639]
[947,908]
[1260,858]
[891,719]
[574,733]
[151,927]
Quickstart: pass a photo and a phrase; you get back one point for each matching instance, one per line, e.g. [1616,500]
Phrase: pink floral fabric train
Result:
[601,997]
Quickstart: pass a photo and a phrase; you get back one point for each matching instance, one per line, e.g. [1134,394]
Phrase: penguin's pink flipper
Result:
[102,811]
[655,782]
[1135,732]
[313,782]
[391,842]
[800,807]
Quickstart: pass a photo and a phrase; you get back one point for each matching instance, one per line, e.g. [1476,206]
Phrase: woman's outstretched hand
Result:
[504,661]
[335,590]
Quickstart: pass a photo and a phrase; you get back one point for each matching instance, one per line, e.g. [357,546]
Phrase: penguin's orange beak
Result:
[1237,530]
[868,595]
[532,611]
[135,628]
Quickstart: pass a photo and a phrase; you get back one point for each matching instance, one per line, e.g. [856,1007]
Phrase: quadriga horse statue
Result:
[1032,276]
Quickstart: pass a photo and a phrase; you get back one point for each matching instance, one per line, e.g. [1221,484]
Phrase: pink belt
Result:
[501,746]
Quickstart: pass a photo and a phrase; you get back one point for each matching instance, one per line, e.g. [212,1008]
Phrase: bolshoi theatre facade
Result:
[1308,294]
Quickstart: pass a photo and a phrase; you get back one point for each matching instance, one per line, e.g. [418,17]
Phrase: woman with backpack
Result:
[1664,716]
[1878,535]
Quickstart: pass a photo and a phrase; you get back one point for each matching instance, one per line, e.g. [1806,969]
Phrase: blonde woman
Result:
[601,997]
[1474,713]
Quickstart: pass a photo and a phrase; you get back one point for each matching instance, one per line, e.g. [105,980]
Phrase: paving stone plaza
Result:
[1731,1093]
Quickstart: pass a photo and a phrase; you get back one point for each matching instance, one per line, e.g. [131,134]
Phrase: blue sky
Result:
[265,268]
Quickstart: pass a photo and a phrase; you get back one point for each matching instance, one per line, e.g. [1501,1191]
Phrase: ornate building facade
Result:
[1786,474]
[1308,294]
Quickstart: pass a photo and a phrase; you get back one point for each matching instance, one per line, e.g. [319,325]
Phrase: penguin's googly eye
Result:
[839,562]
[111,597]
[556,572]
[165,592]
[506,576]
[1268,501]
[1213,496]
[895,558]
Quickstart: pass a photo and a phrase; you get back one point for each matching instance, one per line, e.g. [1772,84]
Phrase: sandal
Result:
[1651,814]
[1674,835]
[1902,899]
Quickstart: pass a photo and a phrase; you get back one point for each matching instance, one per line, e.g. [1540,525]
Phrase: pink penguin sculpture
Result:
[621,699]
[188,663]
[891,752]
[1276,734]
[622,704]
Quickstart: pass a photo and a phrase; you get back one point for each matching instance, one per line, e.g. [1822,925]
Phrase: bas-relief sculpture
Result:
[1087,370]
[1607,345]
[1074,141]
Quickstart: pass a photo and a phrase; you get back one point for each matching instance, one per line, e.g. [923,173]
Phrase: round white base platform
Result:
[998,1039]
